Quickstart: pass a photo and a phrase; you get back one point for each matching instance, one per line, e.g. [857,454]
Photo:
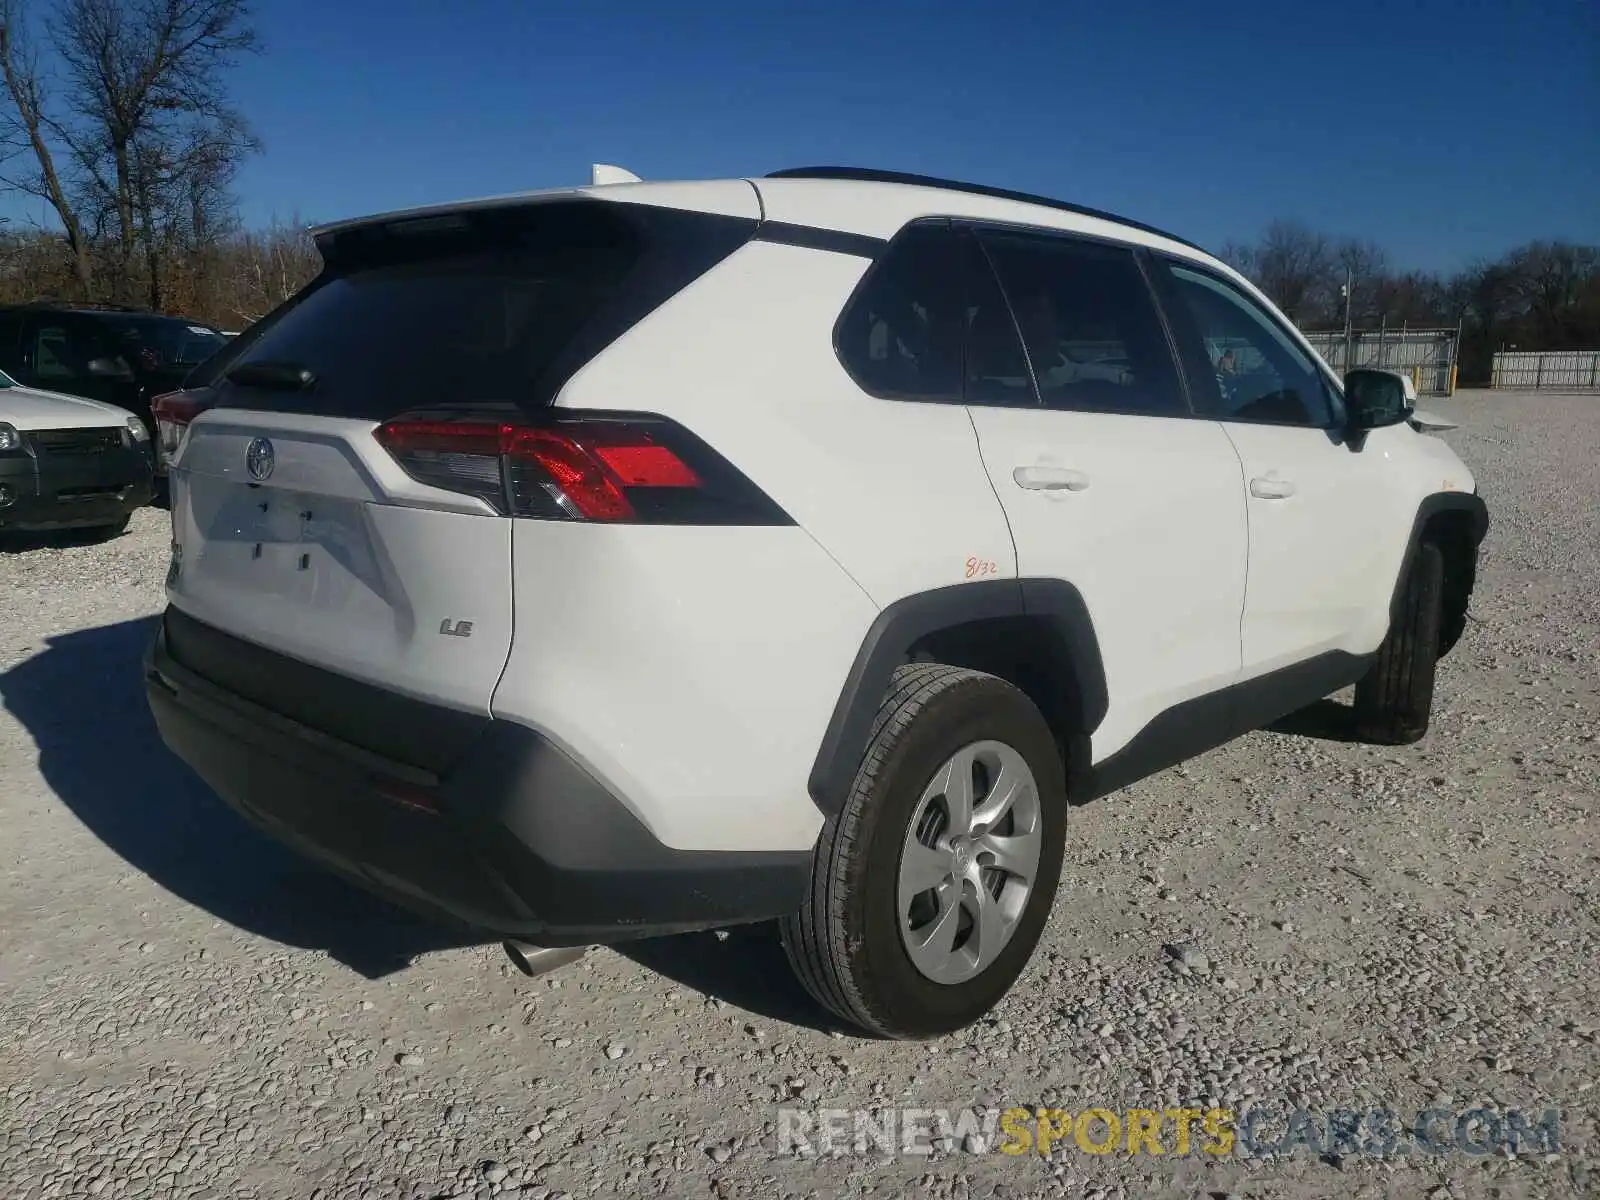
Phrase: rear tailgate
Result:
[337,558]
[297,531]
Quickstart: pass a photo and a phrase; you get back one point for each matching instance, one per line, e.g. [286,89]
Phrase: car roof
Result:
[856,200]
[907,179]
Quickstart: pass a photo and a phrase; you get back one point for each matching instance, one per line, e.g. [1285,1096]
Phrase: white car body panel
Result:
[1163,578]
[661,659]
[910,468]
[1316,553]
[28,409]
[362,585]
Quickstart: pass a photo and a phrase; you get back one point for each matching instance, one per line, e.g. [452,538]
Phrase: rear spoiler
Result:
[601,175]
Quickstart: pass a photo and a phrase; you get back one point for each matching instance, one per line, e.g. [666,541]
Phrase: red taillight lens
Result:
[173,411]
[581,468]
[177,407]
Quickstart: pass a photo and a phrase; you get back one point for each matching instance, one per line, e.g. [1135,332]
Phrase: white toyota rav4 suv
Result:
[635,558]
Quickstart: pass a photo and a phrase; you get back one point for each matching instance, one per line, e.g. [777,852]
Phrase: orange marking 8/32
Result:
[979,567]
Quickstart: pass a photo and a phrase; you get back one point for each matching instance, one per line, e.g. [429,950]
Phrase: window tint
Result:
[1089,324]
[1252,370]
[485,307]
[10,335]
[900,337]
[155,343]
[53,355]
[468,313]
[996,369]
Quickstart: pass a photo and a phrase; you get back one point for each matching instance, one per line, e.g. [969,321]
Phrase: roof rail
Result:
[870,175]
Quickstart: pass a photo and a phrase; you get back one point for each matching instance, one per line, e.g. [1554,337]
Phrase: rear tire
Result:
[1394,700]
[849,944]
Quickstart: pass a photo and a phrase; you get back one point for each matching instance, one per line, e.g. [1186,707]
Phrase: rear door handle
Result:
[1050,479]
[1265,488]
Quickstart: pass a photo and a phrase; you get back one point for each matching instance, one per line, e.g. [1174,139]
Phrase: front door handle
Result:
[1265,488]
[1050,479]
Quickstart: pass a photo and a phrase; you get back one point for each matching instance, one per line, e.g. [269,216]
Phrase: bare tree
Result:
[1292,264]
[27,130]
[1552,280]
[1365,266]
[148,82]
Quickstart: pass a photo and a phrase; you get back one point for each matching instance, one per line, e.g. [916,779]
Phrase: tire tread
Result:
[1395,698]
[815,938]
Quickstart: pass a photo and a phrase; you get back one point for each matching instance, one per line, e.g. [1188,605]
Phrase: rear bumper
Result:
[513,839]
[73,493]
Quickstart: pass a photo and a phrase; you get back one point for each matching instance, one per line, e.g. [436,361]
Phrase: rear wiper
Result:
[278,376]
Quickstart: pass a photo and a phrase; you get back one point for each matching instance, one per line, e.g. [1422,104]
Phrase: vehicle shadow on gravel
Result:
[1326,720]
[745,966]
[83,701]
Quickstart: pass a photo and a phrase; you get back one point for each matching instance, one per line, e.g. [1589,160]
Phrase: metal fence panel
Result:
[1547,370]
[1427,355]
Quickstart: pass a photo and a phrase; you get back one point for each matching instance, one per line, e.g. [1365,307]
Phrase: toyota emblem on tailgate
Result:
[258,458]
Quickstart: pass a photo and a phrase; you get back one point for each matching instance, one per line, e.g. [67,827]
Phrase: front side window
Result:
[900,336]
[1252,369]
[1089,324]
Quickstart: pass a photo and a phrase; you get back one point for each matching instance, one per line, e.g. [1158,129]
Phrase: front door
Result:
[1314,496]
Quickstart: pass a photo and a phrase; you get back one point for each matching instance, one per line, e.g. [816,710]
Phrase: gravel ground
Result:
[1291,920]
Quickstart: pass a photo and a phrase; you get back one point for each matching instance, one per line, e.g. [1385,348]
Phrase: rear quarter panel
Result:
[895,492]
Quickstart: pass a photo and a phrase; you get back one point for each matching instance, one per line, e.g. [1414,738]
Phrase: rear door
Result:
[1109,481]
[295,529]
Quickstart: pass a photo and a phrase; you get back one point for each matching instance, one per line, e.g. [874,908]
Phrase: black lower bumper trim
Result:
[516,840]
[85,493]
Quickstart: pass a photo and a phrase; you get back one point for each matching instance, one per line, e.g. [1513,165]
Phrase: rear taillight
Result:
[589,467]
[172,412]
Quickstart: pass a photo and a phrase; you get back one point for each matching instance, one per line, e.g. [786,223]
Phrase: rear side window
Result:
[484,308]
[1090,325]
[900,336]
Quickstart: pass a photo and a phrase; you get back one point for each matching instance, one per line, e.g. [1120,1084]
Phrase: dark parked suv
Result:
[121,356]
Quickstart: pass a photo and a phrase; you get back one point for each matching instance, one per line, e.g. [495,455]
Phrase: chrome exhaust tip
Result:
[534,960]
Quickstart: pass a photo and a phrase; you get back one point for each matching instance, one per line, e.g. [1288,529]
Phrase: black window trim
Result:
[1141,256]
[1188,346]
[972,245]
[1158,285]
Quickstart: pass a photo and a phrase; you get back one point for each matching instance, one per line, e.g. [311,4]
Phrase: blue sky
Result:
[1444,130]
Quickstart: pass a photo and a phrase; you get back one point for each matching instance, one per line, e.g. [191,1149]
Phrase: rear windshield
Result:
[484,308]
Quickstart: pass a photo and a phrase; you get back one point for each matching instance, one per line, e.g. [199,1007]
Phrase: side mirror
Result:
[109,368]
[1375,399]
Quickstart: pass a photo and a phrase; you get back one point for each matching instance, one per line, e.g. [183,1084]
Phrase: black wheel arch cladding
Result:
[1054,604]
[1434,509]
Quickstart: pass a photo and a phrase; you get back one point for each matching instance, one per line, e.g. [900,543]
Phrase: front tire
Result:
[1394,700]
[932,886]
